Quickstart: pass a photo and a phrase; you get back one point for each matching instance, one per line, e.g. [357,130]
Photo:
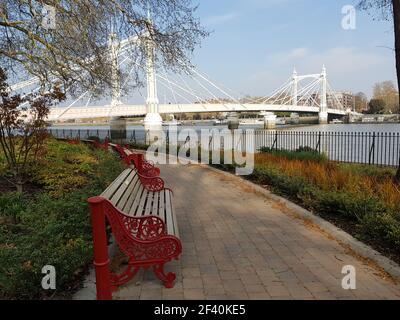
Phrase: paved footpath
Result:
[241,245]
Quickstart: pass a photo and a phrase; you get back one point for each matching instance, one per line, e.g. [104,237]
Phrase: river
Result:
[362,127]
[365,143]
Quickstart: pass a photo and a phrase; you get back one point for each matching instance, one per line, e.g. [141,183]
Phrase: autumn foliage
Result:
[23,128]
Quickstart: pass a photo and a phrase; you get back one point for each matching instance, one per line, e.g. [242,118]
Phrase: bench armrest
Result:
[147,164]
[145,227]
[154,184]
[152,172]
[166,247]
[141,228]
[121,153]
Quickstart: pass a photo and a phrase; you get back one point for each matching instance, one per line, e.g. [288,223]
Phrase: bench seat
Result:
[140,212]
[128,194]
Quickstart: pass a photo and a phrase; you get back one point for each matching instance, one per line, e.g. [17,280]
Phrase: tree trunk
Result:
[396,20]
[19,185]
[19,188]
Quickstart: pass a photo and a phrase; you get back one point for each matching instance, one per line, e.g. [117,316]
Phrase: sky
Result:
[255,44]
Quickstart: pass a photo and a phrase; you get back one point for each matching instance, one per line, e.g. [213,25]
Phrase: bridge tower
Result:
[295,88]
[153,120]
[115,77]
[323,111]
[117,124]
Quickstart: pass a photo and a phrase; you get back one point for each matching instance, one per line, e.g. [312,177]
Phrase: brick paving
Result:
[241,245]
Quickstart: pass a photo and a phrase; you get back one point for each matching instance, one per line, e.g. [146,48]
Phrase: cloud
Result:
[219,19]
[296,54]
[349,68]
[343,60]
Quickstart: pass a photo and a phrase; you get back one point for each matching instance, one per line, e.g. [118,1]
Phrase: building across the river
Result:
[346,98]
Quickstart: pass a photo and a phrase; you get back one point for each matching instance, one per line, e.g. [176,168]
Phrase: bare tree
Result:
[389,9]
[387,91]
[76,50]
[23,128]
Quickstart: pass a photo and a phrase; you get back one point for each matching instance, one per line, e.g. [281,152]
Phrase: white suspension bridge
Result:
[300,94]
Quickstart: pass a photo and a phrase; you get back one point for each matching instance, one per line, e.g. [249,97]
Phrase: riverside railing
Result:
[133,136]
[372,148]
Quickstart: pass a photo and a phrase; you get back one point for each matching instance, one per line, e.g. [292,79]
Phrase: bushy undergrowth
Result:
[138,146]
[363,195]
[52,227]
[302,153]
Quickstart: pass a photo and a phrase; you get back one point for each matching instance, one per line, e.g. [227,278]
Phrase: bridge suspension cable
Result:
[197,88]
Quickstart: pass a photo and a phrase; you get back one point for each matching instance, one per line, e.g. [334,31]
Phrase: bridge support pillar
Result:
[323,111]
[269,120]
[152,126]
[233,121]
[323,117]
[118,130]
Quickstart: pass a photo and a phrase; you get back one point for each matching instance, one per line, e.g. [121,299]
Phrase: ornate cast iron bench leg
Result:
[168,279]
[120,279]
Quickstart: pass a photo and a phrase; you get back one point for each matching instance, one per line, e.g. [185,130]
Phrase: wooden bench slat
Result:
[168,213]
[115,185]
[135,204]
[122,202]
[161,207]
[142,203]
[120,192]
[149,203]
[155,204]
[132,194]
[176,229]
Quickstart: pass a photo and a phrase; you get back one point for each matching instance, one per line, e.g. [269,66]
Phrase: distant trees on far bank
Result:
[388,93]
[385,99]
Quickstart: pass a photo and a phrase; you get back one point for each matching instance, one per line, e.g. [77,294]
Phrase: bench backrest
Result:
[129,157]
[125,191]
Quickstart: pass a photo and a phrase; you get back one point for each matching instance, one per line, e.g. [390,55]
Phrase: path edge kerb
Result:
[391,267]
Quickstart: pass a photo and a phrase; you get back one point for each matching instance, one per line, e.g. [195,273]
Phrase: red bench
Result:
[140,212]
[73,141]
[99,145]
[144,167]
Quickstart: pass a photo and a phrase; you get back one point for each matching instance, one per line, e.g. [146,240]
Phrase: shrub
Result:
[383,228]
[51,232]
[355,193]
[302,153]
[350,206]
[11,204]
[138,146]
[94,138]
[67,167]
[281,184]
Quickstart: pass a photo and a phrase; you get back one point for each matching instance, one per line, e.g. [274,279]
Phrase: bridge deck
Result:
[140,110]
